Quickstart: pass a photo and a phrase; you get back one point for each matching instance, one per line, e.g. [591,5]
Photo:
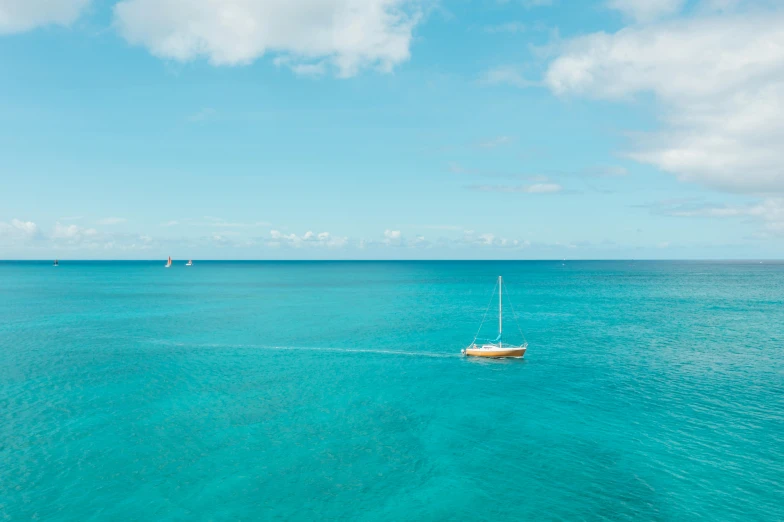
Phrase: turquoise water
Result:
[335,391]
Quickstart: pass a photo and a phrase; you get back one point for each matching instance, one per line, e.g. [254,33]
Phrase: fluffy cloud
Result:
[393,238]
[72,233]
[350,34]
[323,239]
[720,80]
[18,229]
[471,239]
[646,10]
[22,15]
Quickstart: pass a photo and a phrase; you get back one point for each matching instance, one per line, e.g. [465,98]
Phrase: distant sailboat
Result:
[56,263]
[495,348]
[189,263]
[169,263]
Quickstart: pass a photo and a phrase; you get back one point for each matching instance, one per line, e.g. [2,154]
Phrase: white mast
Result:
[500,309]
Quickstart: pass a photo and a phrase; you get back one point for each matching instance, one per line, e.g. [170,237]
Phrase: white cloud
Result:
[720,80]
[646,10]
[112,221]
[28,228]
[768,211]
[322,239]
[69,237]
[18,229]
[22,15]
[393,238]
[349,34]
[72,233]
[468,239]
[487,239]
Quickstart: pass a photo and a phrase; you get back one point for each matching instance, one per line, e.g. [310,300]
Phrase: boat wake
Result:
[306,349]
[362,350]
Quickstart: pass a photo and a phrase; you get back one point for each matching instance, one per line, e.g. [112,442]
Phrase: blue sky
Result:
[391,129]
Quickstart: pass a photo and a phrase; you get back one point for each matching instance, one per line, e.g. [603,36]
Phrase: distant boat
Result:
[168,264]
[496,348]
[189,263]
[56,263]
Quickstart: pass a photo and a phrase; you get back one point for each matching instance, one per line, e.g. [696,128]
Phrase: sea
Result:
[650,390]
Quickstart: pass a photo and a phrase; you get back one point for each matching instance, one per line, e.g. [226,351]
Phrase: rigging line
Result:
[514,314]
[485,316]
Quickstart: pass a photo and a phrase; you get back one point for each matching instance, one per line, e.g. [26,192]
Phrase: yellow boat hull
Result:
[518,351]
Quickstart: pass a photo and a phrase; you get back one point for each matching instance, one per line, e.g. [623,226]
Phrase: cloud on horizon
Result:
[18,229]
[768,211]
[308,239]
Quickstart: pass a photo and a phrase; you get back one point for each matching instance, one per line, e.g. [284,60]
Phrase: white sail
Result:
[500,309]
[496,348]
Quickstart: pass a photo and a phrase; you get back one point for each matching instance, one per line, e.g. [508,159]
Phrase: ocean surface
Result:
[336,391]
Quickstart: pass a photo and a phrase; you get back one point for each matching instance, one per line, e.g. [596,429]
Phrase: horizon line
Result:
[155,260]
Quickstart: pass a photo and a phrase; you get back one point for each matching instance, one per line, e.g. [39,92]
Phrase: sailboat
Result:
[189,263]
[168,263]
[496,348]
[56,263]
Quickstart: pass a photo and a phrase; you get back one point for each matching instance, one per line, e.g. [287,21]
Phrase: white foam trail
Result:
[361,350]
[306,348]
